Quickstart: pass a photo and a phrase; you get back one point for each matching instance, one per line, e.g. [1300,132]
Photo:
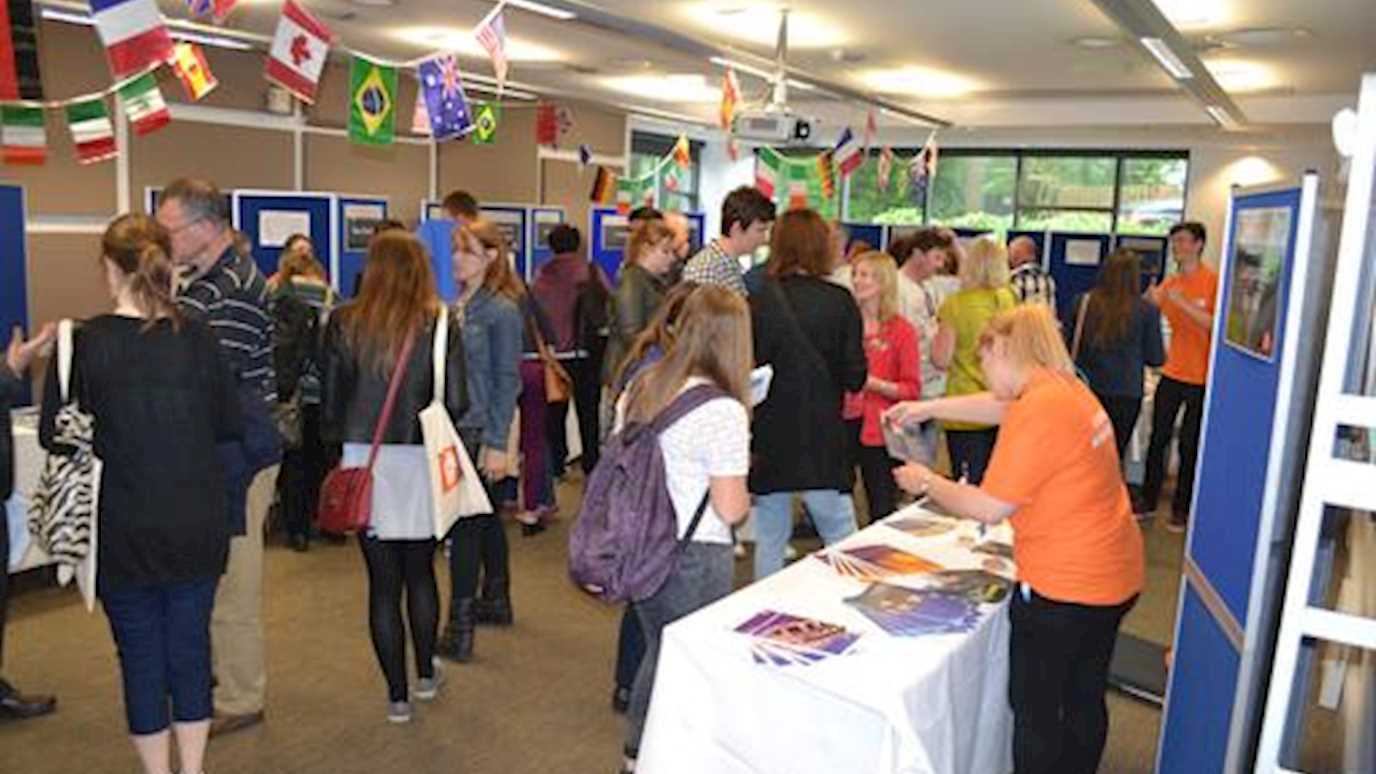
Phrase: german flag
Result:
[603,187]
[826,174]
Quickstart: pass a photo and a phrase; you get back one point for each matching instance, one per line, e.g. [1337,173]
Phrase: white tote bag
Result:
[455,488]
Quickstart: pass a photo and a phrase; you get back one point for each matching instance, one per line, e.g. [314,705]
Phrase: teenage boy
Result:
[1187,299]
[746,216]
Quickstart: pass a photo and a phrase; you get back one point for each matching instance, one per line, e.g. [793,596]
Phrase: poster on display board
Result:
[431,210]
[1261,242]
[512,220]
[543,220]
[269,218]
[1082,252]
[360,220]
[1151,250]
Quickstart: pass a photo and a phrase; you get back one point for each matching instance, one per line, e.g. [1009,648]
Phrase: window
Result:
[675,191]
[1132,192]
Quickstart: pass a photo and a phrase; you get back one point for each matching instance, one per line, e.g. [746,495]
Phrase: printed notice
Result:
[275,227]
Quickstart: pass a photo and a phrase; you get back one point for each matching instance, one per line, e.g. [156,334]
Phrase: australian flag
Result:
[442,87]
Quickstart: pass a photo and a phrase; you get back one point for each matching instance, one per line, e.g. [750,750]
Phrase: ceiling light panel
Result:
[542,9]
[683,88]
[461,41]
[920,82]
[1167,58]
[1193,14]
[759,23]
[1241,76]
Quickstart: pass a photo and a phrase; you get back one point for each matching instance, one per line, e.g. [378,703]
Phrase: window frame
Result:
[656,145]
[1119,155]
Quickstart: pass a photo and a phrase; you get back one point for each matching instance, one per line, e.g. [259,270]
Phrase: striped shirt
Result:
[712,266]
[1030,283]
[232,298]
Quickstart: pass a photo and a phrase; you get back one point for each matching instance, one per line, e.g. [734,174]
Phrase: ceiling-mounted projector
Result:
[772,125]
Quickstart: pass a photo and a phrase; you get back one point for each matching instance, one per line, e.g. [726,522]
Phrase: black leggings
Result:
[392,566]
[478,544]
[881,491]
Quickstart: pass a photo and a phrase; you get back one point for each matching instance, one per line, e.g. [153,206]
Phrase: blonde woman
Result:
[891,350]
[983,293]
[706,461]
[1054,476]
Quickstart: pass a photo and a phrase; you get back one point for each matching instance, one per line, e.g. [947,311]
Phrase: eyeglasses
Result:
[173,231]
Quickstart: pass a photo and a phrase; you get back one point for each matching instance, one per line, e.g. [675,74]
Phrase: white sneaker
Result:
[399,712]
[427,688]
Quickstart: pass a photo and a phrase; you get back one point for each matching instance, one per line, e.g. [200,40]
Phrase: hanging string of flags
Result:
[137,44]
[628,193]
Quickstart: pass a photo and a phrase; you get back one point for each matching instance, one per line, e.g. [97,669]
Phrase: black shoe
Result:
[621,699]
[456,643]
[17,706]
[494,606]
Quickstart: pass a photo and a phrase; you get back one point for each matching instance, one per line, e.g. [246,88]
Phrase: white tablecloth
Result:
[932,703]
[28,464]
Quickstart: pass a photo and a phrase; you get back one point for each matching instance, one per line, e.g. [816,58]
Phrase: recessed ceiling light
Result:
[666,88]
[1239,76]
[1261,37]
[1192,13]
[1096,42]
[920,82]
[760,24]
[461,41]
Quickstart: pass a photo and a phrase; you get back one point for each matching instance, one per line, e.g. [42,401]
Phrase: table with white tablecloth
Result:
[878,697]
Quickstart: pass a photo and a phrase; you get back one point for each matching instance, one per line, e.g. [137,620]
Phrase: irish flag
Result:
[25,140]
[91,131]
[134,35]
[143,104]
[767,172]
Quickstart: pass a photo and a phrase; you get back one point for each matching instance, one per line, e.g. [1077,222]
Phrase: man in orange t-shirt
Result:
[1187,299]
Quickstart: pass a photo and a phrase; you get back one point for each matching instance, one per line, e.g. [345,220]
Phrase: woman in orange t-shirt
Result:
[1054,475]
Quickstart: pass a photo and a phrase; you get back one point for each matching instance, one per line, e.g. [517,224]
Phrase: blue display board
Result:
[514,219]
[1073,261]
[866,232]
[262,215]
[608,232]
[697,224]
[14,270]
[1240,405]
[1153,251]
[1040,237]
[542,221]
[355,218]
[1204,668]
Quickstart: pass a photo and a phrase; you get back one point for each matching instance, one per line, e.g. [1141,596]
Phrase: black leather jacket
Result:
[353,393]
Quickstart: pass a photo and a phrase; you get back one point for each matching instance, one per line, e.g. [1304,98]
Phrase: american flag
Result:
[491,35]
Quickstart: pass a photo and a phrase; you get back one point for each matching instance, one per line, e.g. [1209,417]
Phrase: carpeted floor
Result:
[535,699]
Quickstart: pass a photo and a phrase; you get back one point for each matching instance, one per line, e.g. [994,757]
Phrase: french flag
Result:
[849,155]
[134,35]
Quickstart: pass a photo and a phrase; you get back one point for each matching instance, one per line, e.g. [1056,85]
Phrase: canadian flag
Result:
[298,52]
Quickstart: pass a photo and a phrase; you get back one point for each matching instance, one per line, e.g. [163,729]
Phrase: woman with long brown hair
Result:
[1114,335]
[706,461]
[489,306]
[161,398]
[364,342]
[810,331]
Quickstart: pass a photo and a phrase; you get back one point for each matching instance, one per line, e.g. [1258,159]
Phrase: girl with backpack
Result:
[706,457]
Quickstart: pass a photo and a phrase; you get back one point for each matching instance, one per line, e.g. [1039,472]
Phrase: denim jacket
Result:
[492,333]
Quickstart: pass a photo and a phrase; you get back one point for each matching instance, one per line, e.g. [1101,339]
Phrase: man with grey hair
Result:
[1030,282]
[223,288]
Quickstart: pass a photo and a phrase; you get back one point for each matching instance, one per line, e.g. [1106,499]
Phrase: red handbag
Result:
[346,495]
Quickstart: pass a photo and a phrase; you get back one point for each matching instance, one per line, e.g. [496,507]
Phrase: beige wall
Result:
[63,280]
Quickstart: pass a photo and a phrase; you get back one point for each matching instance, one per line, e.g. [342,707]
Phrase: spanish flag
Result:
[603,187]
[188,60]
[683,153]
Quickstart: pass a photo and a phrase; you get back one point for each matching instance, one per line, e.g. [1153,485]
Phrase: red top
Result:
[893,356]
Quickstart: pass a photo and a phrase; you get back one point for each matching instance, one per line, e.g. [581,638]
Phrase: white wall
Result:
[720,175]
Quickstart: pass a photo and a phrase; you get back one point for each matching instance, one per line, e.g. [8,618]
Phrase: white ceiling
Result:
[1016,57]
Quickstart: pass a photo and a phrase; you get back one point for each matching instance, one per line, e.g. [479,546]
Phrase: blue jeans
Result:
[832,512]
[163,637]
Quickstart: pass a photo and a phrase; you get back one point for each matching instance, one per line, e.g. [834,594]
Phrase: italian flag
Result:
[143,104]
[91,131]
[25,140]
[767,164]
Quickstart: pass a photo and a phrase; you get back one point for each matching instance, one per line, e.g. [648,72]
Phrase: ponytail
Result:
[142,250]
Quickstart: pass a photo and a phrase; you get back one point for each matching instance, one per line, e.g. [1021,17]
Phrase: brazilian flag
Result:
[485,118]
[372,102]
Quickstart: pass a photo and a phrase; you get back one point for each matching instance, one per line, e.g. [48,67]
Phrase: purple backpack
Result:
[625,542]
